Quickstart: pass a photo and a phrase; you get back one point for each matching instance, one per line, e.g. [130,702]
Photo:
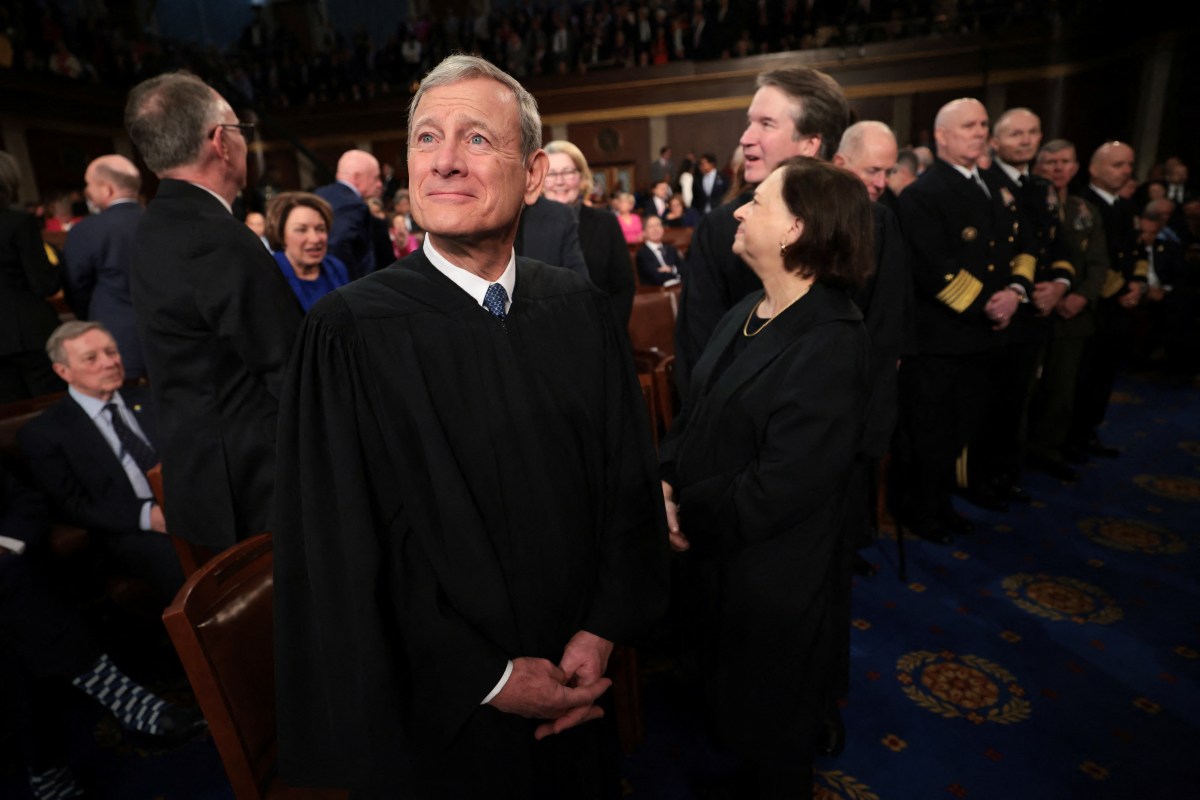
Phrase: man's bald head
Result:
[110,178]
[868,149]
[360,169]
[961,131]
[1111,166]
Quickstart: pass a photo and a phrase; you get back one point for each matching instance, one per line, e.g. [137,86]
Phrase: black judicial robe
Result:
[759,458]
[452,493]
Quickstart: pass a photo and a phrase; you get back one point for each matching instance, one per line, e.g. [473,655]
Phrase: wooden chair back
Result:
[191,556]
[222,626]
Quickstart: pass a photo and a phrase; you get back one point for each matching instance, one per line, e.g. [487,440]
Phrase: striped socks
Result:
[56,783]
[130,702]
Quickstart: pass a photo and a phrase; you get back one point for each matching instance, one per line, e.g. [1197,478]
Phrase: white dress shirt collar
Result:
[469,282]
[224,202]
[1105,196]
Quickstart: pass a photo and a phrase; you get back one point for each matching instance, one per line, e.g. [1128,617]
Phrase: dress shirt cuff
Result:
[503,680]
[14,545]
[1020,290]
[1064,281]
[144,517]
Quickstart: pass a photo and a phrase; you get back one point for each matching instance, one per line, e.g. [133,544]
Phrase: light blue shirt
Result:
[94,408]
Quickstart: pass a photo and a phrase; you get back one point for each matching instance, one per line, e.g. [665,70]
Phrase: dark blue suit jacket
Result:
[647,264]
[99,257]
[352,238]
[704,202]
[71,463]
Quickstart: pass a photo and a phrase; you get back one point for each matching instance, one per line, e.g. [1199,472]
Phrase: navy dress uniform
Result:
[966,243]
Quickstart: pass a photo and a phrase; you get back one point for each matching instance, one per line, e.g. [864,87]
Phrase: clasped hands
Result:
[1001,306]
[565,695]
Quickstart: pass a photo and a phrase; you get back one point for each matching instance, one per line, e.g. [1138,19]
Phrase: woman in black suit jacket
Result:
[27,278]
[755,473]
[604,249]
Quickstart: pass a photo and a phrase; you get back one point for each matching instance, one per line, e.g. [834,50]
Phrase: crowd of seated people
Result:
[268,65]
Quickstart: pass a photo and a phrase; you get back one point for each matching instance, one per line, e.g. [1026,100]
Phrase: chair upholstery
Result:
[222,625]
[652,334]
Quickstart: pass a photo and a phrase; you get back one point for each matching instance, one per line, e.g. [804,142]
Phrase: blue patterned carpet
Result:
[1054,653]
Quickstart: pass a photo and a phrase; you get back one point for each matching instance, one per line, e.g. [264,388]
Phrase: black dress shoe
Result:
[1096,448]
[956,523]
[177,725]
[831,740]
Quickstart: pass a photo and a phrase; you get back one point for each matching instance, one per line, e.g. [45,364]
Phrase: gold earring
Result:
[782,249]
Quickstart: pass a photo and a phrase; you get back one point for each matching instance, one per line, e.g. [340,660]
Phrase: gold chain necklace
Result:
[746,324]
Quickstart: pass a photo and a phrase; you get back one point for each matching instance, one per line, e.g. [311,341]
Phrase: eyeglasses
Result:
[565,174]
[247,129]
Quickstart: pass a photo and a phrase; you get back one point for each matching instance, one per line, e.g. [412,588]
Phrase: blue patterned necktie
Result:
[494,301]
[141,452]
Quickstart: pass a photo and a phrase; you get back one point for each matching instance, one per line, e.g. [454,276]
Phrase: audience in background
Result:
[98,255]
[568,181]
[631,223]
[27,280]
[657,262]
[679,216]
[298,226]
[353,234]
[90,452]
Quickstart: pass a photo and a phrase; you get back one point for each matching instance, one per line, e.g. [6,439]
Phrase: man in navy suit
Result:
[99,255]
[710,187]
[89,455]
[657,261]
[352,238]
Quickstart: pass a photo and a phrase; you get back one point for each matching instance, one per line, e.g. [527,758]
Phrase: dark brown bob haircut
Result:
[283,204]
[837,245]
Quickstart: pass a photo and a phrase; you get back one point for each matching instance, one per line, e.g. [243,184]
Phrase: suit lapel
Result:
[85,439]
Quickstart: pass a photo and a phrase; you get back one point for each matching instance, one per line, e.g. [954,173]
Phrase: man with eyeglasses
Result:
[215,316]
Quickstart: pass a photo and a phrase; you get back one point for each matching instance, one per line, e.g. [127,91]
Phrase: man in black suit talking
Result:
[90,452]
[215,315]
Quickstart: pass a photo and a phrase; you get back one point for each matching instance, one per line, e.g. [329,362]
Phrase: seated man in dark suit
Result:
[90,452]
[353,236]
[46,647]
[657,261]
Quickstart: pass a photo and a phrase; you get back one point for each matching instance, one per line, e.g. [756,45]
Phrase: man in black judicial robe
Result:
[468,514]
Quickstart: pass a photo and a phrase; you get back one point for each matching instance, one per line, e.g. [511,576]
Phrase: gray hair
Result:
[55,345]
[169,116]
[459,67]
